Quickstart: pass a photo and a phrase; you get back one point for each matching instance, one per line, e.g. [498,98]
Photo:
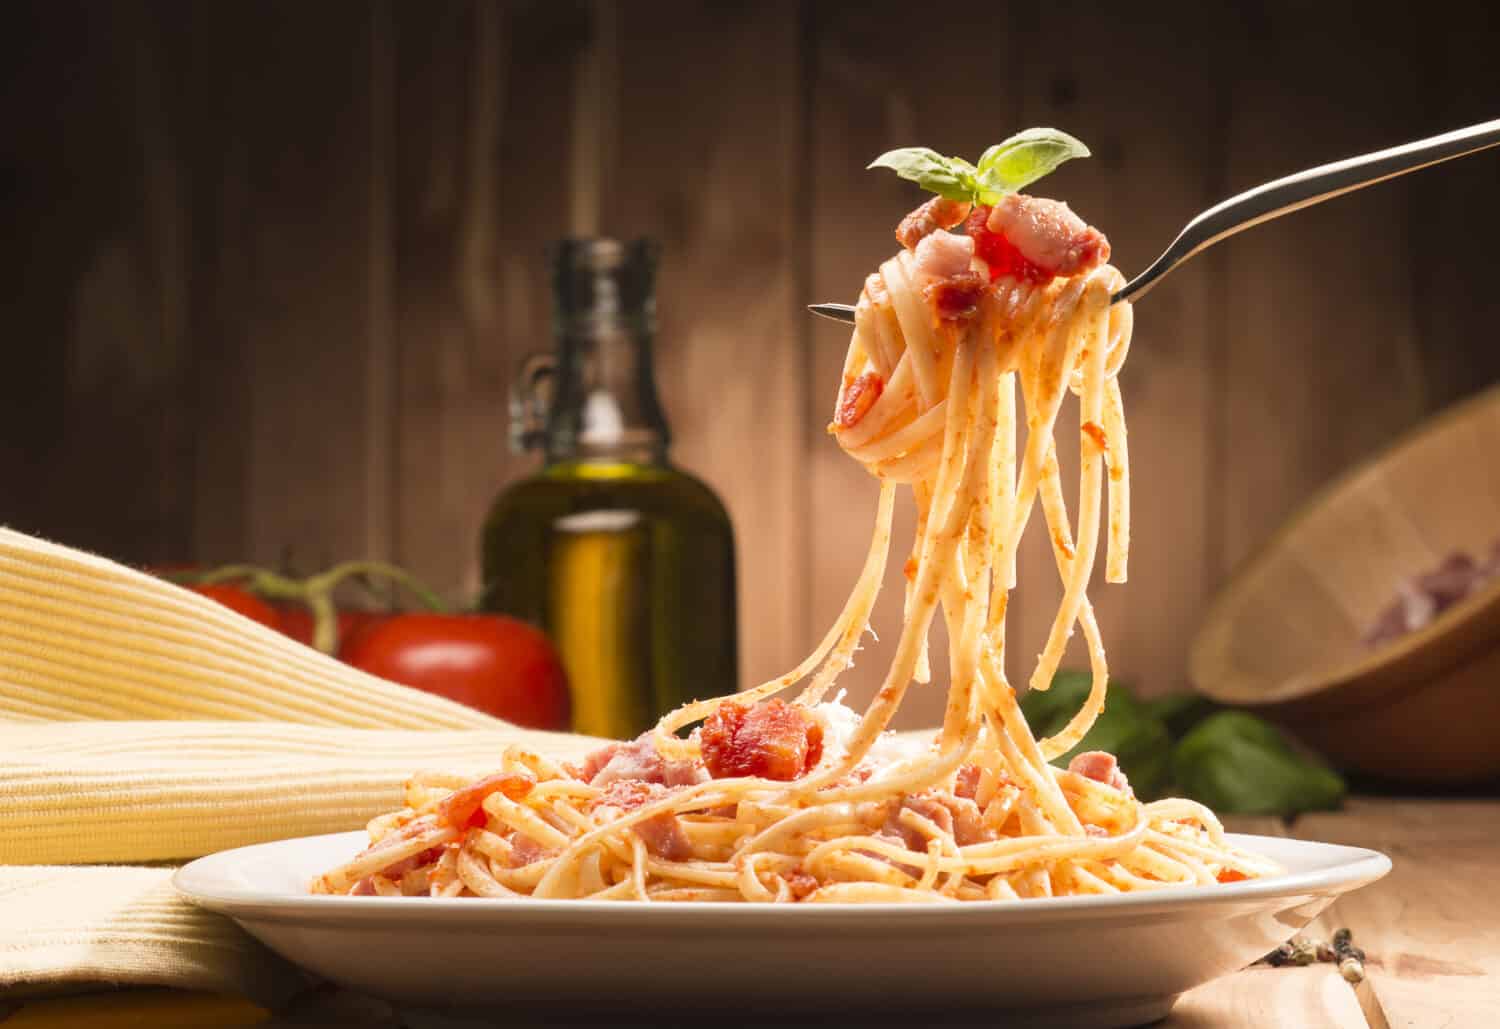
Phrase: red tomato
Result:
[297,622]
[240,600]
[490,662]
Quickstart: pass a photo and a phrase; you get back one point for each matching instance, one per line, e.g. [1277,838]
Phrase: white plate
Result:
[1072,961]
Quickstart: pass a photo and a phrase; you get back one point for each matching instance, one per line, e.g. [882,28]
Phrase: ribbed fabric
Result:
[142,722]
[86,926]
[82,637]
[154,791]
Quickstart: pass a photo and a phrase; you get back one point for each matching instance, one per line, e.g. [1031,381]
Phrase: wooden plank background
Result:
[267,268]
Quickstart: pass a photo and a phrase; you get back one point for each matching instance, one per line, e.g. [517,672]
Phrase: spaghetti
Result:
[806,800]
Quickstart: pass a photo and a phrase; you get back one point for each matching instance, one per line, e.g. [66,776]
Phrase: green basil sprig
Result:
[1237,764]
[1004,168]
[1124,728]
[1233,761]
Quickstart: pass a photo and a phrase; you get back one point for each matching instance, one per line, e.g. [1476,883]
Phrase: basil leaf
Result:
[964,169]
[950,177]
[1048,711]
[1181,711]
[1125,728]
[1237,763]
[1022,159]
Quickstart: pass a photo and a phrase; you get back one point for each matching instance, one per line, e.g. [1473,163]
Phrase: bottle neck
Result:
[606,406]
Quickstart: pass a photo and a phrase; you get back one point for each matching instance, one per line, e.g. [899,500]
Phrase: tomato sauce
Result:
[995,250]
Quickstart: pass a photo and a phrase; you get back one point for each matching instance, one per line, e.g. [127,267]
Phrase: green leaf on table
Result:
[1125,728]
[1048,711]
[1237,763]
[1181,711]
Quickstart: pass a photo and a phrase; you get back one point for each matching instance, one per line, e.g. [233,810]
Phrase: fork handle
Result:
[1304,189]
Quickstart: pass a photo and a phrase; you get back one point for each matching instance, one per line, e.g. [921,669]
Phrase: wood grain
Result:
[316,308]
[97,356]
[268,268]
[1261,995]
[1418,820]
[709,169]
[1430,929]
[289,281]
[1265,996]
[1255,825]
[1455,309]
[478,198]
[1321,363]
[210,112]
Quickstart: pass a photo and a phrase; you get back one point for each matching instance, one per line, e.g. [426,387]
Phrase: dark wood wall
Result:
[266,268]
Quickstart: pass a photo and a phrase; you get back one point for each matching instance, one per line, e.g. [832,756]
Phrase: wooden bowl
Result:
[1285,635]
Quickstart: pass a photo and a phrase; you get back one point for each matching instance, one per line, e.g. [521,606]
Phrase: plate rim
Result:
[195,882]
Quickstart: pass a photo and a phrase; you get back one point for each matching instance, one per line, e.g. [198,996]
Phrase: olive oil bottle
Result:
[625,560]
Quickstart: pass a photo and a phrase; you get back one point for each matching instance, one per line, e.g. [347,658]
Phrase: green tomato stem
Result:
[325,621]
[317,591]
[379,570]
[261,581]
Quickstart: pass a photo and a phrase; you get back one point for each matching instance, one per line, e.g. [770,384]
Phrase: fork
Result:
[1283,196]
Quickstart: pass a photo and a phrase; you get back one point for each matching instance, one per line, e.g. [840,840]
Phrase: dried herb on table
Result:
[1300,950]
[1350,958]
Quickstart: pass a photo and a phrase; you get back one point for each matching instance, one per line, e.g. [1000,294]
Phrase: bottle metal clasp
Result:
[531,402]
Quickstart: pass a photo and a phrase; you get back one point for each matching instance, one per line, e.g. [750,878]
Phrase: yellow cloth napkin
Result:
[140,722]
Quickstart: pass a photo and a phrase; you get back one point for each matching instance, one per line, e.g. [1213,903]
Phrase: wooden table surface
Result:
[1430,930]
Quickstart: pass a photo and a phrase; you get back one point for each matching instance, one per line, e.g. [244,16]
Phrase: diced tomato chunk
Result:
[859,396]
[995,250]
[772,740]
[800,883]
[937,213]
[464,807]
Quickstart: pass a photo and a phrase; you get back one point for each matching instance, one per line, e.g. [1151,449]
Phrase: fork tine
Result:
[837,312]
